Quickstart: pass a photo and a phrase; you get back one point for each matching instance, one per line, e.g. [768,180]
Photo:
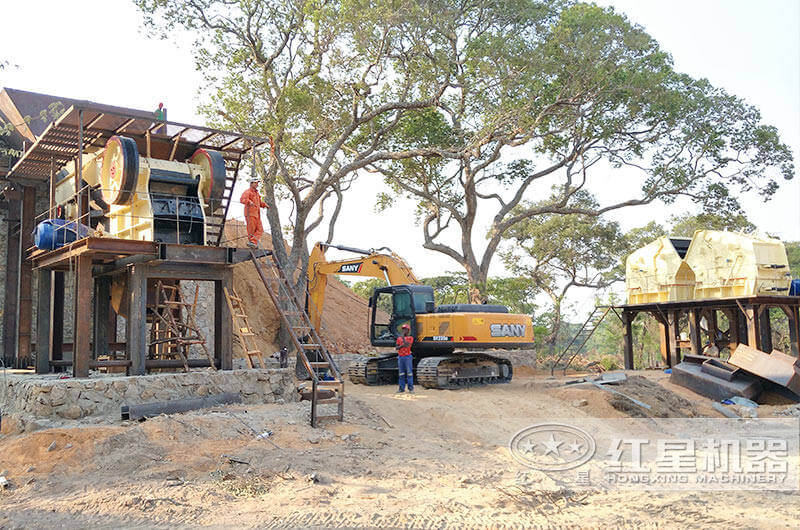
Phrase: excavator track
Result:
[447,372]
[463,370]
[367,371]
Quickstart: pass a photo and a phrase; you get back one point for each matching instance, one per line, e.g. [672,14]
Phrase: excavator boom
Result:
[372,263]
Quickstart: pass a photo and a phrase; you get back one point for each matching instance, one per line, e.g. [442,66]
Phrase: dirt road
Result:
[435,459]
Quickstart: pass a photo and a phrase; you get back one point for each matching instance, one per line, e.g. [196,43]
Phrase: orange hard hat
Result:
[405,326]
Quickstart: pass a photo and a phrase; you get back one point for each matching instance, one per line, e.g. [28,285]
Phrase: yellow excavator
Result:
[448,339]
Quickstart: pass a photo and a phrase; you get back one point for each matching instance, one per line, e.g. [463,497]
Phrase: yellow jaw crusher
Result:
[144,198]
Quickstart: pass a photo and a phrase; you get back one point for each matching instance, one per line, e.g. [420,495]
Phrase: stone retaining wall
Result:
[48,397]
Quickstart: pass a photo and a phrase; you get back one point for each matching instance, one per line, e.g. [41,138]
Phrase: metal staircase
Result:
[215,223]
[582,337]
[311,349]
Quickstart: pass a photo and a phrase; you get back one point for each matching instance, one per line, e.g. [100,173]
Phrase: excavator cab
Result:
[393,306]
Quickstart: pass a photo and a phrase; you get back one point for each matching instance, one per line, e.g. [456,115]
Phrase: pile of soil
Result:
[345,317]
[663,402]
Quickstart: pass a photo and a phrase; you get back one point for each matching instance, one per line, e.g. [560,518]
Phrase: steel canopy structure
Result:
[86,127]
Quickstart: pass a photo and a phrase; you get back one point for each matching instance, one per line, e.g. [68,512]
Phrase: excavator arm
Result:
[371,263]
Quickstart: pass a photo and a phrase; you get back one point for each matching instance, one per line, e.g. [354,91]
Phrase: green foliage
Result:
[364,288]
[793,254]
[685,225]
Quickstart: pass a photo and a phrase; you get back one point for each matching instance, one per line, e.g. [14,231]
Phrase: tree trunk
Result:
[477,284]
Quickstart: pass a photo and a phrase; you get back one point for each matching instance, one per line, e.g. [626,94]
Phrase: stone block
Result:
[71,412]
[58,396]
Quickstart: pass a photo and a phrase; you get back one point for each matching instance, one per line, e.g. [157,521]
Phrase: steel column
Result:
[102,307]
[672,330]
[25,287]
[223,332]
[695,334]
[627,339]
[44,335]
[136,321]
[12,283]
[664,335]
[82,317]
[751,316]
[57,311]
[765,329]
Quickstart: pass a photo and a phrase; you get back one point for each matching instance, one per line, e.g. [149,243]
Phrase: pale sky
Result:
[98,50]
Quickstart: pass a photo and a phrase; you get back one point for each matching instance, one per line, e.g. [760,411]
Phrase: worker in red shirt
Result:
[252,212]
[405,365]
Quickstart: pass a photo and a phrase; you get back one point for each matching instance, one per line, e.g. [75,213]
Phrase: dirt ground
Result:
[434,459]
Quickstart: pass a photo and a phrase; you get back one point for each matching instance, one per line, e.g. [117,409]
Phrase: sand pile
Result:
[344,319]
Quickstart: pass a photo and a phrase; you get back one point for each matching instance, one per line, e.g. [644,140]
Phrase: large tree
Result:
[326,81]
[558,252]
[571,95]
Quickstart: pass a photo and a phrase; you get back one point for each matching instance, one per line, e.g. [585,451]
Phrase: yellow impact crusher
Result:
[712,264]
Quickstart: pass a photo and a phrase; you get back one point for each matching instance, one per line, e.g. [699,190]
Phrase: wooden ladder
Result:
[242,330]
[309,345]
[171,335]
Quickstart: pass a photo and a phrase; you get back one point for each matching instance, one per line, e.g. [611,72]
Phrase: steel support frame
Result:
[136,328]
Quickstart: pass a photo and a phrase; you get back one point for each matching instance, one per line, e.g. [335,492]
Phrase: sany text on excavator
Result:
[448,339]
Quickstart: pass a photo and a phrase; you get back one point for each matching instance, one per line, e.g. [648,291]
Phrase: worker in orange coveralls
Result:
[252,212]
